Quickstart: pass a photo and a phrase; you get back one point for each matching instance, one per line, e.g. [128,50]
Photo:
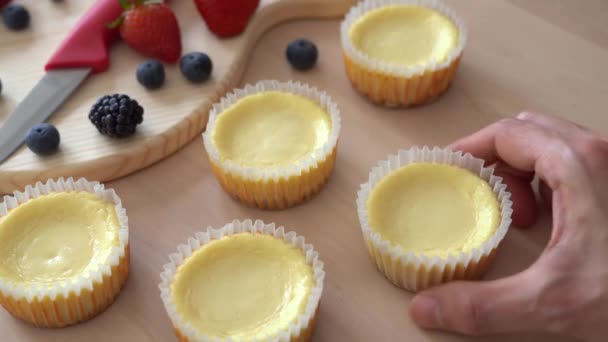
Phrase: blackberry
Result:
[116,115]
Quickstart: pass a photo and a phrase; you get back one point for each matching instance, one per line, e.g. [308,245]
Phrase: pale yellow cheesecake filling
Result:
[56,237]
[270,129]
[433,209]
[404,35]
[244,286]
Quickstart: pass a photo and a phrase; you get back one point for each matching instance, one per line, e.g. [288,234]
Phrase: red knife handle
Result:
[88,43]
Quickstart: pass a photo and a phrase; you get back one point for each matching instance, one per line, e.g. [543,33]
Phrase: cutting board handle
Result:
[88,43]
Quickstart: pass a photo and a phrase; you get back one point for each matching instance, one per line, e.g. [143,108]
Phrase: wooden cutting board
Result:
[174,115]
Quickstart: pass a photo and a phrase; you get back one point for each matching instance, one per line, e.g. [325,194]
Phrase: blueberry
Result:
[151,74]
[16,17]
[43,139]
[302,54]
[196,66]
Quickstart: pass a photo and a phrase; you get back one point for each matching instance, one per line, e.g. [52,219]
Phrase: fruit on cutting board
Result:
[150,27]
[151,74]
[16,17]
[226,18]
[196,66]
[43,139]
[302,54]
[116,115]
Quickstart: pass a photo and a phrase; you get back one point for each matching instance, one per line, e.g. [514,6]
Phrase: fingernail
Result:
[425,312]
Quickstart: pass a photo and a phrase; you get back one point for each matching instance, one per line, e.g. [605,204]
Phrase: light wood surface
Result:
[174,115]
[545,55]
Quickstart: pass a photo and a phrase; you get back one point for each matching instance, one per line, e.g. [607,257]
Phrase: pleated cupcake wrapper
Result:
[300,330]
[275,187]
[416,272]
[82,297]
[397,85]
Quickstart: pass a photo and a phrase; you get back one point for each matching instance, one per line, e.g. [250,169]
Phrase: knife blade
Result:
[83,52]
[40,103]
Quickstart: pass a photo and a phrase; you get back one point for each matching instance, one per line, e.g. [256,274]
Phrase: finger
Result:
[567,128]
[510,140]
[546,193]
[503,168]
[519,185]
[480,144]
[480,308]
[571,131]
[523,145]
[525,211]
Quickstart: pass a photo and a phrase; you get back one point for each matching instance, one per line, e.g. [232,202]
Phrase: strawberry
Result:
[226,18]
[150,27]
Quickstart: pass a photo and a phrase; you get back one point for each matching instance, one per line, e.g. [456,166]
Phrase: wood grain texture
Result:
[524,56]
[174,115]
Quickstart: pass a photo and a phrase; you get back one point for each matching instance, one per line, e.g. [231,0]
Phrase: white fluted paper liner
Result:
[275,173]
[304,320]
[418,271]
[87,279]
[383,67]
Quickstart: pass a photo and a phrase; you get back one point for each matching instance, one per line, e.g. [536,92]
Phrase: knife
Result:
[83,52]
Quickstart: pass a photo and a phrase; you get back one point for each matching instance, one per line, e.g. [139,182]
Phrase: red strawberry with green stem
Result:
[226,18]
[150,27]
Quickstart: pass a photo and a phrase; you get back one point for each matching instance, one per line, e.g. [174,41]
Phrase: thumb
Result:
[479,308]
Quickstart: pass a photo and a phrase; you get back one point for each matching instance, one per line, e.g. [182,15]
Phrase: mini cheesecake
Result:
[63,253]
[251,282]
[402,53]
[271,129]
[434,209]
[273,145]
[436,215]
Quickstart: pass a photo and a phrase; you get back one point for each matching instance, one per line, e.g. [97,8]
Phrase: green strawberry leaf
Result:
[125,4]
[116,23]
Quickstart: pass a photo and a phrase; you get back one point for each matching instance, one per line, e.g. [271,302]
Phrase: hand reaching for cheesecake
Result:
[566,290]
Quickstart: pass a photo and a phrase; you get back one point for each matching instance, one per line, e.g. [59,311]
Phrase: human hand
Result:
[566,290]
